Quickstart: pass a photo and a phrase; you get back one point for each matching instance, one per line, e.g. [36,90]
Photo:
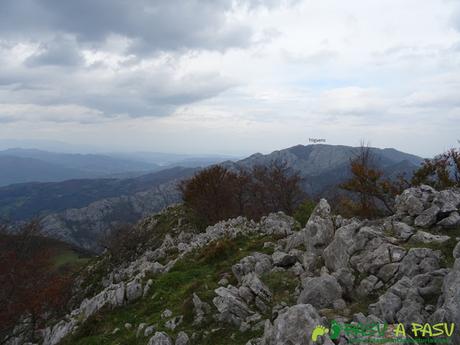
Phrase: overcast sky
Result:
[232,77]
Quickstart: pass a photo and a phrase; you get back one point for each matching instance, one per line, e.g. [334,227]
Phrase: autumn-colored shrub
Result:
[371,192]
[441,172]
[31,287]
[217,193]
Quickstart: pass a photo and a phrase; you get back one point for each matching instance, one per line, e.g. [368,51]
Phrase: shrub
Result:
[372,193]
[217,193]
[441,172]
[304,211]
[30,284]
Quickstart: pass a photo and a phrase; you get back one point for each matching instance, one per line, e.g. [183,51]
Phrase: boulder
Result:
[295,326]
[282,259]
[448,200]
[346,279]
[232,309]
[449,311]
[277,224]
[450,222]
[149,331]
[425,237]
[337,253]
[427,217]
[402,230]
[160,338]
[257,262]
[368,285]
[413,201]
[174,322]
[456,252]
[257,287]
[319,230]
[418,261]
[320,292]
[182,339]
[200,309]
[134,290]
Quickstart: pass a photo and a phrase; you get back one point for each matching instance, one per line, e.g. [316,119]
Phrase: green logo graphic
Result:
[377,332]
[319,330]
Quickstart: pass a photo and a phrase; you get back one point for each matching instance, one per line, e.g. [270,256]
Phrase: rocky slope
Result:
[86,227]
[272,283]
[81,211]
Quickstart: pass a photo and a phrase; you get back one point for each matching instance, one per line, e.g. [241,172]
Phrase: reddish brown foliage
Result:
[217,193]
[441,172]
[369,185]
[30,285]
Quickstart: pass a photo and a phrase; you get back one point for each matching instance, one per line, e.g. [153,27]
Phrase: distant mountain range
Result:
[18,165]
[80,211]
[325,166]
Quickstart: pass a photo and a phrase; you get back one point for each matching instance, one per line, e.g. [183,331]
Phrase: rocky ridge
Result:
[400,269]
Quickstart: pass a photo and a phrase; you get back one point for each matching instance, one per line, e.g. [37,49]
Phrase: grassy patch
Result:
[69,258]
[445,248]
[281,284]
[197,273]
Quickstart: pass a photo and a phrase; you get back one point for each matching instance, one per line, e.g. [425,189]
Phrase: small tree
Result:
[217,193]
[441,172]
[30,285]
[370,186]
[275,188]
[211,194]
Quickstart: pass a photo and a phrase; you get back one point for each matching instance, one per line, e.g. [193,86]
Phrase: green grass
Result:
[445,248]
[69,258]
[197,273]
[282,284]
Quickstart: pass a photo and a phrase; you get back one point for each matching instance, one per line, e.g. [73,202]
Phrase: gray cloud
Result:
[56,73]
[163,25]
[58,52]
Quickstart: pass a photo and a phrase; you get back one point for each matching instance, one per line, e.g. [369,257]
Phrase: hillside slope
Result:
[95,164]
[23,201]
[20,169]
[324,166]
[272,283]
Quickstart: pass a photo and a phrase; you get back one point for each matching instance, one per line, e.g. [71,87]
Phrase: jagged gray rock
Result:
[200,309]
[449,310]
[294,326]
[319,231]
[450,222]
[257,262]
[403,230]
[448,200]
[182,339]
[232,309]
[427,217]
[456,252]
[282,259]
[418,261]
[257,287]
[160,338]
[277,224]
[426,237]
[320,292]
